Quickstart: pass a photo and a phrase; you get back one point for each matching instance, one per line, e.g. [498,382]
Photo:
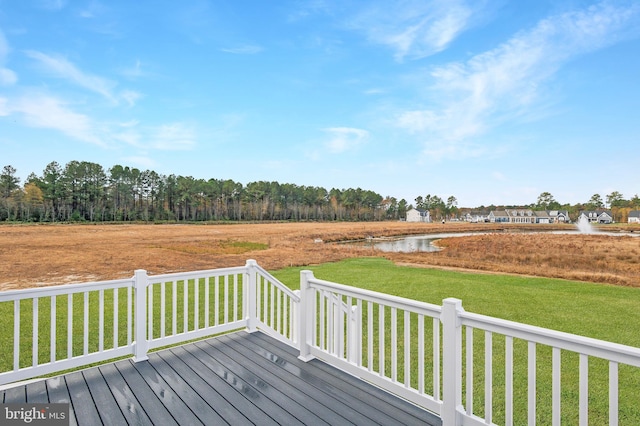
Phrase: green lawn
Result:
[599,311]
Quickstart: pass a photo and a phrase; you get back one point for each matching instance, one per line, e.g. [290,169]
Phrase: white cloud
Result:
[414,29]
[51,113]
[173,137]
[165,137]
[62,68]
[134,71]
[506,82]
[7,77]
[4,109]
[129,96]
[345,138]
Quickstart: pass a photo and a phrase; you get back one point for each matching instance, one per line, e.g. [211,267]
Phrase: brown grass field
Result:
[36,255]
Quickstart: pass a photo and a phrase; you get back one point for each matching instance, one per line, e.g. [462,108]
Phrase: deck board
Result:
[335,403]
[236,379]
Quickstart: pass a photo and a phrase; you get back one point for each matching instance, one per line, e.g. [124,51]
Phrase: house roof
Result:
[634,213]
[597,212]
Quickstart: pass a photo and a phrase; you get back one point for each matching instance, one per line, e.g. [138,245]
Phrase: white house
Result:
[597,216]
[528,216]
[634,216]
[417,215]
[559,216]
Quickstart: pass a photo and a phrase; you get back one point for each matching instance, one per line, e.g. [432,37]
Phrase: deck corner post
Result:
[141,345]
[451,362]
[251,296]
[305,316]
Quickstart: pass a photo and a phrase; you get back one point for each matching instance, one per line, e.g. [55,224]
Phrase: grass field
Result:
[604,312]
[595,310]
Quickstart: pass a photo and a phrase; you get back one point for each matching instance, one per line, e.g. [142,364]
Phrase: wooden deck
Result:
[236,379]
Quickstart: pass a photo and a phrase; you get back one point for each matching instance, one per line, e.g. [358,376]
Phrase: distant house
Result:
[597,216]
[559,216]
[498,216]
[634,216]
[528,216]
[418,215]
[476,217]
[513,216]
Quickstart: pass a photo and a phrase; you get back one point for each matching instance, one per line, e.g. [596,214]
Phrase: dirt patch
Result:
[54,254]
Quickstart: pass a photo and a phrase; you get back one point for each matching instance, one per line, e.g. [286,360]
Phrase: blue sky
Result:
[493,102]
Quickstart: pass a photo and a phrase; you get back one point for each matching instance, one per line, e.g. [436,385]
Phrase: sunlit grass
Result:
[604,312]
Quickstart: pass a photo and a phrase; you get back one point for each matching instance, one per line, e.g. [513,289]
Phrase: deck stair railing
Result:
[514,374]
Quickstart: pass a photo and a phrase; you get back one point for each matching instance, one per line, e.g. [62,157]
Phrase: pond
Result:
[413,243]
[425,243]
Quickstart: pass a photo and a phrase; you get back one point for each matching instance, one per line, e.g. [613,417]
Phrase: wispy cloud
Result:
[507,81]
[63,68]
[164,137]
[342,139]
[245,49]
[173,137]
[414,28]
[7,76]
[134,71]
[48,112]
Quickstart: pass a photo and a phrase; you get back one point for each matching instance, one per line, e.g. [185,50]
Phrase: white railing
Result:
[503,378]
[51,329]
[428,354]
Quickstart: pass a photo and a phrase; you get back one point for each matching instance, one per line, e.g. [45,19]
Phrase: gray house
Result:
[597,216]
[634,216]
[418,215]
[529,216]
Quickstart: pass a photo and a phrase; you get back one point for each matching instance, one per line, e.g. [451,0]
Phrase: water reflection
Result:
[411,244]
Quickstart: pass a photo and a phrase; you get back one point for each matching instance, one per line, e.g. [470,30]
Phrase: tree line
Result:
[85,191]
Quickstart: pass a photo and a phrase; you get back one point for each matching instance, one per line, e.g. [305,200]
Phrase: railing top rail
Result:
[381,298]
[278,284]
[56,290]
[197,274]
[579,344]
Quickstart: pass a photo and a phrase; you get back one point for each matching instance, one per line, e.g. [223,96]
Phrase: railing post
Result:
[305,316]
[353,339]
[451,362]
[141,346]
[251,296]
[295,323]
